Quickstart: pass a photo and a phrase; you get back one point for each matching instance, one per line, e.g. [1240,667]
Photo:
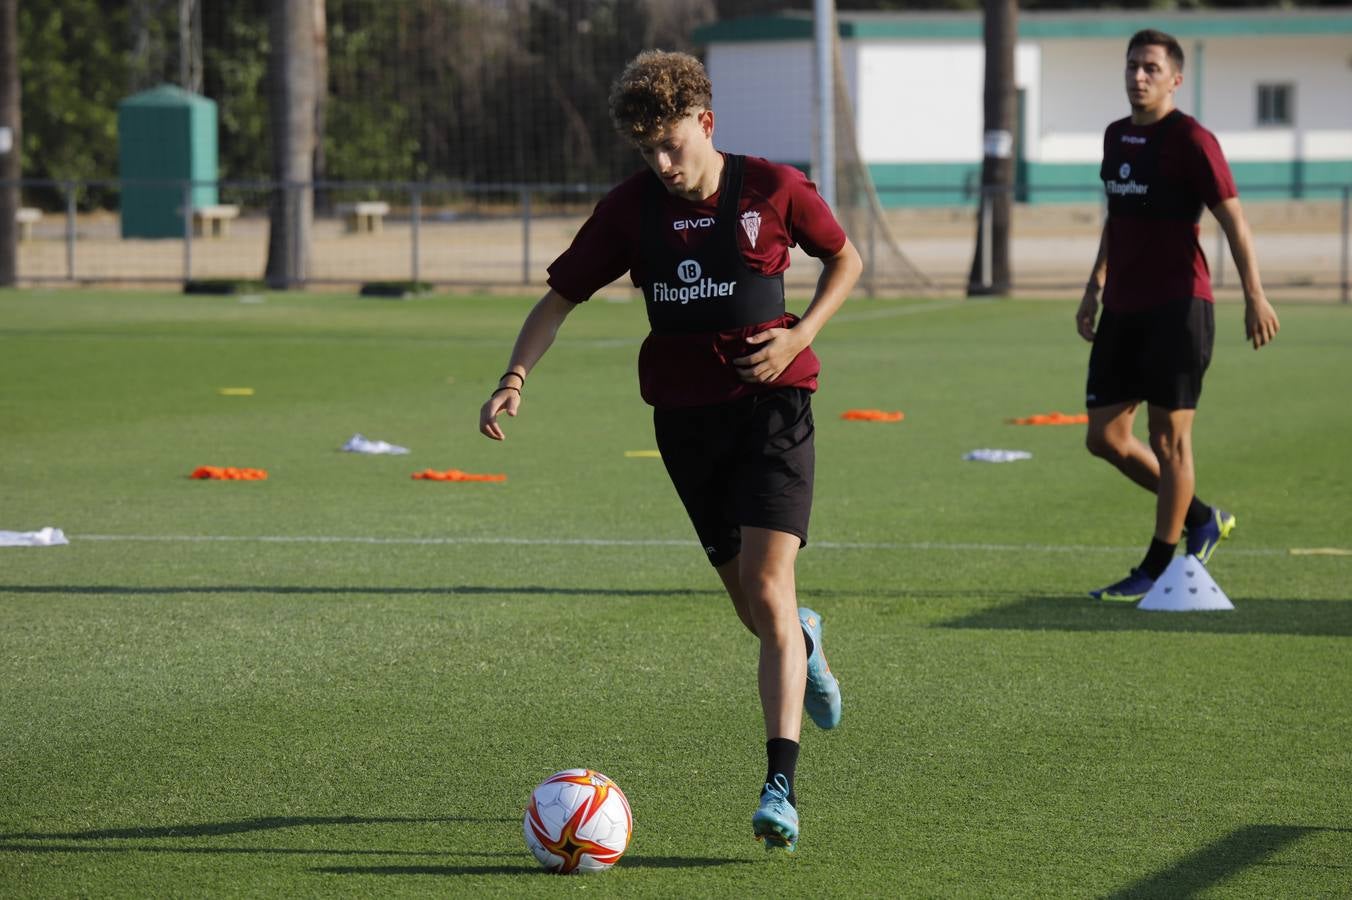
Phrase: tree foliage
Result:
[453,90]
[73,69]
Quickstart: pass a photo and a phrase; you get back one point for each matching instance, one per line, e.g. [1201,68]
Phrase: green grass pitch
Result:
[344,682]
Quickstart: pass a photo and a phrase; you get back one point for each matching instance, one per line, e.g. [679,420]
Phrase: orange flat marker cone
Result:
[454,475]
[872,415]
[228,473]
[1052,418]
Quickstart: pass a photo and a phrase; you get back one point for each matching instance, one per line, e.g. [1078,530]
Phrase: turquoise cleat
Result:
[1203,540]
[776,821]
[822,698]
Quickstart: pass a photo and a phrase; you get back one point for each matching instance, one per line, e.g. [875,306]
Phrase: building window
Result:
[1276,104]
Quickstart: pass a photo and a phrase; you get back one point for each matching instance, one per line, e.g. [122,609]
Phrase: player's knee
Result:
[1171,447]
[761,589]
[770,602]
[1102,445]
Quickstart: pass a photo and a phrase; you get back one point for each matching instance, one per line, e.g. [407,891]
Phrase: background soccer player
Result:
[1154,339]
[706,235]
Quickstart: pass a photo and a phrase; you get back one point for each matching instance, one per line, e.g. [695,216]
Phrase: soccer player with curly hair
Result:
[729,373]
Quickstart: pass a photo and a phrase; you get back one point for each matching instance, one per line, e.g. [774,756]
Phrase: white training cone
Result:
[1185,585]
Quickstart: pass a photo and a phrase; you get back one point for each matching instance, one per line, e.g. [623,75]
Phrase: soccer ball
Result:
[578,820]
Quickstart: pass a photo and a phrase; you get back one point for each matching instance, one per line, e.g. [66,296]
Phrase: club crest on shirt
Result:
[1125,171]
[751,225]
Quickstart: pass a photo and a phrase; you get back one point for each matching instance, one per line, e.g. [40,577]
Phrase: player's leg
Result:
[822,698]
[1166,354]
[766,580]
[700,450]
[1164,467]
[732,582]
[1171,441]
[1110,438]
[1171,447]
[773,490]
[766,576]
[1193,326]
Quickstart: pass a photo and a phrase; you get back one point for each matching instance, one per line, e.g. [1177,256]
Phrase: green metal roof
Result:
[797,26]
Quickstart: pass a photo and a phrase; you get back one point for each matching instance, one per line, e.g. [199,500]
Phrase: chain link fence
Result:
[503,236]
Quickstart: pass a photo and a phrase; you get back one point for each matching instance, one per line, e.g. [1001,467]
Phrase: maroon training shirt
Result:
[778,209]
[1158,178]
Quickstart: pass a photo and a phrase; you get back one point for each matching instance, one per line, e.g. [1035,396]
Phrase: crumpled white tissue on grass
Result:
[359,444]
[46,537]
[986,454]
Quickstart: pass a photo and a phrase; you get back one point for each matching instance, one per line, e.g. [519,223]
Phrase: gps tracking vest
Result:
[1133,182]
[709,288]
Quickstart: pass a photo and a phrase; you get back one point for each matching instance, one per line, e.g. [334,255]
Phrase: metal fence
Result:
[505,235]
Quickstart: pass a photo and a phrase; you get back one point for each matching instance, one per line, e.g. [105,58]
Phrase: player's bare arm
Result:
[779,346]
[1260,319]
[1093,288]
[537,334]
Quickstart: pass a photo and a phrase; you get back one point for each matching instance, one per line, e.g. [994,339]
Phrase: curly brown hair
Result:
[657,89]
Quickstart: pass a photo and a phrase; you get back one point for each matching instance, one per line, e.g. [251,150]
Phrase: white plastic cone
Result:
[1185,585]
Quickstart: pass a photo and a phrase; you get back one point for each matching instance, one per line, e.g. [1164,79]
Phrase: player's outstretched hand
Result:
[778,348]
[1260,321]
[1085,315]
[503,400]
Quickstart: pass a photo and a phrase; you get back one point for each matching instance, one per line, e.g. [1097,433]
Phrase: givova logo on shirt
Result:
[694,285]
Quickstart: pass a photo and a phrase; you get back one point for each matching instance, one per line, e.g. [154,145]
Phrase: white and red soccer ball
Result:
[578,820]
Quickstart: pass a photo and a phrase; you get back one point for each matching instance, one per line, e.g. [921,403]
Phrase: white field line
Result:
[938,546]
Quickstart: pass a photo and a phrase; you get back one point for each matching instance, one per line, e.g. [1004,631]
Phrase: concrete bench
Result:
[213,221]
[365,217]
[26,217]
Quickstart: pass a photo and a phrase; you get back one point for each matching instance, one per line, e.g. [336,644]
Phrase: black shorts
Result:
[748,463]
[1158,355]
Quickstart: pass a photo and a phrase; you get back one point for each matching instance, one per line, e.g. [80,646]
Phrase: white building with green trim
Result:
[1275,86]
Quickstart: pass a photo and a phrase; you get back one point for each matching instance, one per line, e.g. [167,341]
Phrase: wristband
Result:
[510,372]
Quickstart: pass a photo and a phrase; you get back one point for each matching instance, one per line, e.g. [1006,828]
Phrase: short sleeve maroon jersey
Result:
[1158,177]
[779,209]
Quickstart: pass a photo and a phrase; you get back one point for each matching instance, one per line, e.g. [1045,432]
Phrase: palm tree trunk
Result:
[291,96]
[990,264]
[11,134]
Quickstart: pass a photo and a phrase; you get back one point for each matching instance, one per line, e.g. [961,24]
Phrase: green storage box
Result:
[165,133]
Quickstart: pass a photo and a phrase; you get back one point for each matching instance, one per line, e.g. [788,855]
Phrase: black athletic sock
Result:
[782,757]
[1198,514]
[1157,558]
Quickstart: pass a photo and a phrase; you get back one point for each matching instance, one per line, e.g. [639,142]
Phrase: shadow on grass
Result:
[1312,618]
[1240,849]
[92,841]
[96,841]
[213,829]
[629,862]
[189,849]
[345,590]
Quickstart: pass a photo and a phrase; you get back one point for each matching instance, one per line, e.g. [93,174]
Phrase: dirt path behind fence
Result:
[1300,248]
